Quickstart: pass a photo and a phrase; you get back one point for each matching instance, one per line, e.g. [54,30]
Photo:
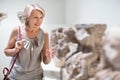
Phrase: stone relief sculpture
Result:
[2,16]
[78,49]
[109,67]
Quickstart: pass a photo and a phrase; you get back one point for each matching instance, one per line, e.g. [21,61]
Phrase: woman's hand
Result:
[49,53]
[18,45]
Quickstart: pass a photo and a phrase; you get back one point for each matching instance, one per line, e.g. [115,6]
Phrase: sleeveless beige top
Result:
[27,66]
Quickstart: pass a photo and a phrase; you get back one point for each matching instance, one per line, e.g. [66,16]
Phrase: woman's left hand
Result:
[49,53]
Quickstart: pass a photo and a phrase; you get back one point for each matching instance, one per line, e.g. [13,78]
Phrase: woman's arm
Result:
[11,49]
[47,53]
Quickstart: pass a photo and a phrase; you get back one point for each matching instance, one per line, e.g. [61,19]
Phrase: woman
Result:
[32,48]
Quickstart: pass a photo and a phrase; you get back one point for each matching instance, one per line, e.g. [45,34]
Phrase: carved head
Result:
[112,46]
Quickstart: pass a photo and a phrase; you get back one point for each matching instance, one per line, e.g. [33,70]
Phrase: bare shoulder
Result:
[46,34]
[14,32]
[15,29]
[12,37]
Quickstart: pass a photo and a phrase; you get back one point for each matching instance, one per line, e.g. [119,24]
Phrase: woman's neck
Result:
[31,32]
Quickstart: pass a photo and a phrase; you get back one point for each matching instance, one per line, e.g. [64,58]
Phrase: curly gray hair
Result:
[27,11]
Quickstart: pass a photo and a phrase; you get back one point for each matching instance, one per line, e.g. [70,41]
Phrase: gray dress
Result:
[27,66]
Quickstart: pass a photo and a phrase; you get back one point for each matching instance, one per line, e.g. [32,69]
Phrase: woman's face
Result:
[35,19]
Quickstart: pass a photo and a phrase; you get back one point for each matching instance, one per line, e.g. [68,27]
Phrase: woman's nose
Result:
[39,20]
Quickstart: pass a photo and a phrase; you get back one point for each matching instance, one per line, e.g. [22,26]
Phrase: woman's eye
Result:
[41,17]
[36,17]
